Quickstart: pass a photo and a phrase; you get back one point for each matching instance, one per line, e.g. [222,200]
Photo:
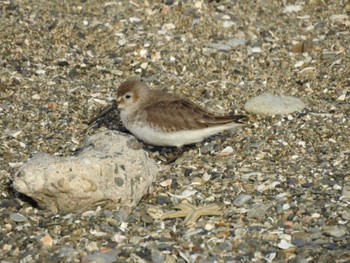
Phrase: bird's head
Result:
[130,94]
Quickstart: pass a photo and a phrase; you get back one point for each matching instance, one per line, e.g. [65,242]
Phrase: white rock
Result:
[342,97]
[122,42]
[227,44]
[198,4]
[285,244]
[134,19]
[168,26]
[225,152]
[112,170]
[228,24]
[269,104]
[144,65]
[285,206]
[14,134]
[299,64]
[340,17]
[256,50]
[40,72]
[292,8]
[36,97]
[143,53]
[346,192]
[185,194]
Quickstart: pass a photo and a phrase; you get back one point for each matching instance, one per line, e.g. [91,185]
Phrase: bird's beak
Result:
[104,112]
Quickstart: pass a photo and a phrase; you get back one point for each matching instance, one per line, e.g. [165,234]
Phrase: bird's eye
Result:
[128,96]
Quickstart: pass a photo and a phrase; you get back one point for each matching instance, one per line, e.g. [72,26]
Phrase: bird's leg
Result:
[178,153]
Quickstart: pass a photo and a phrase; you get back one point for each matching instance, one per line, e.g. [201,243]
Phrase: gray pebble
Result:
[257,211]
[225,246]
[66,251]
[241,200]
[102,257]
[207,148]
[17,217]
[299,242]
[335,232]
[156,256]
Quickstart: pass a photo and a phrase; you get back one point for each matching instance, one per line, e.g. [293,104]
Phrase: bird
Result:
[164,119]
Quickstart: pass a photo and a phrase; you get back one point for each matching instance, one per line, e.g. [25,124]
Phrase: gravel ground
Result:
[284,189]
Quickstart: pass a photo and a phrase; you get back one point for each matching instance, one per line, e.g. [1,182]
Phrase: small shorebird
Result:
[163,119]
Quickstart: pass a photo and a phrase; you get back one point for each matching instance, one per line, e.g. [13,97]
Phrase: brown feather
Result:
[177,114]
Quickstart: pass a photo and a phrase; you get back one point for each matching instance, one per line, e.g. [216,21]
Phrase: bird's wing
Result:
[181,114]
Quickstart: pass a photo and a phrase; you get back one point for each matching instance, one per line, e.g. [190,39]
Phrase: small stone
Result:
[119,238]
[169,2]
[283,244]
[107,256]
[36,97]
[345,215]
[17,217]
[143,53]
[292,8]
[345,194]
[227,151]
[241,200]
[120,215]
[156,256]
[207,148]
[40,72]
[269,104]
[52,105]
[307,185]
[256,50]
[146,218]
[270,257]
[209,227]
[188,171]
[257,211]
[66,251]
[228,24]
[286,206]
[47,240]
[161,200]
[235,42]
[329,54]
[300,238]
[340,17]
[335,231]
[63,63]
[226,45]
[7,247]
[166,183]
[300,242]
[122,42]
[144,65]
[342,97]
[225,246]
[168,26]
[134,19]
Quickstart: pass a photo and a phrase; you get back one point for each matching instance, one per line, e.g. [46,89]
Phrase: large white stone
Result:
[270,104]
[112,170]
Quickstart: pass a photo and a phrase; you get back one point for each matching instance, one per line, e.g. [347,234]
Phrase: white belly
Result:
[177,139]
